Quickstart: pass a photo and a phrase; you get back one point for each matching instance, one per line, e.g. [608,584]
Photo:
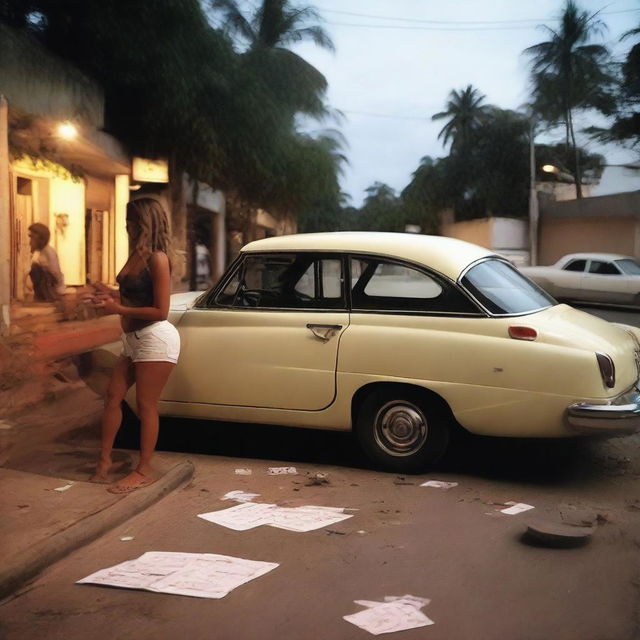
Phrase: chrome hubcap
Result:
[400,428]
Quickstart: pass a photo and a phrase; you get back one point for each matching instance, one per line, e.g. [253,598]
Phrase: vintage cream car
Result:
[398,337]
[608,278]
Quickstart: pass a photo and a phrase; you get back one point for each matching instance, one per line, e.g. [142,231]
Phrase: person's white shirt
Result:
[48,258]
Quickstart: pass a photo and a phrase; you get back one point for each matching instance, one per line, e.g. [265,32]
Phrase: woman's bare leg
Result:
[150,379]
[122,378]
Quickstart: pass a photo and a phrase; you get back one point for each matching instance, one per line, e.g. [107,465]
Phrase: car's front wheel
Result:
[404,431]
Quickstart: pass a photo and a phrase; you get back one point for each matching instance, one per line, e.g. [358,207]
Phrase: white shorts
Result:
[157,342]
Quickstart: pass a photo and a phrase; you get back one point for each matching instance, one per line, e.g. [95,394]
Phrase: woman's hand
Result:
[104,292]
[106,302]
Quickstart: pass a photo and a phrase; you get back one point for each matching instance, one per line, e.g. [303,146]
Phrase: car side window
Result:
[576,265]
[285,281]
[379,284]
[603,268]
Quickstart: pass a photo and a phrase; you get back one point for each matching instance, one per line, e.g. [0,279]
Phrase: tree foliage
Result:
[177,86]
[569,73]
[465,112]
[626,125]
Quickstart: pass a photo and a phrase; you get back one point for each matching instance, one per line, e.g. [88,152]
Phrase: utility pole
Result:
[5,221]
[534,213]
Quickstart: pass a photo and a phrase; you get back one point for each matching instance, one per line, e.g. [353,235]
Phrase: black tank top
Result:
[136,290]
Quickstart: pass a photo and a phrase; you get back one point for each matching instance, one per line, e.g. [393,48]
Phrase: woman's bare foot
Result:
[135,480]
[103,468]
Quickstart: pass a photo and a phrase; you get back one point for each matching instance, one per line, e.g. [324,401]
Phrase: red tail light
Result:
[607,369]
[522,333]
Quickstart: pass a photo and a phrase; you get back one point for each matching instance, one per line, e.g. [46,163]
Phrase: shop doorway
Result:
[22,202]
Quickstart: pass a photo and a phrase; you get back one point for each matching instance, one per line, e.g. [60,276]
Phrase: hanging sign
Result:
[145,170]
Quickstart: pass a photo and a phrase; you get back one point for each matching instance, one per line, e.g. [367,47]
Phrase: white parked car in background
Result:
[397,337]
[590,277]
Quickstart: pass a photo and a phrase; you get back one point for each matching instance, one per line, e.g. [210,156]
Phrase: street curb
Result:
[29,563]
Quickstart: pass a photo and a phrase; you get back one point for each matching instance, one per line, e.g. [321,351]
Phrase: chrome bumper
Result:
[621,416]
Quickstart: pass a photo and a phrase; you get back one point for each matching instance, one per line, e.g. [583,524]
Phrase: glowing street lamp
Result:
[562,175]
[67,130]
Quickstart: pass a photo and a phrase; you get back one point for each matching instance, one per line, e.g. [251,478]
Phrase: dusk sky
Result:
[397,60]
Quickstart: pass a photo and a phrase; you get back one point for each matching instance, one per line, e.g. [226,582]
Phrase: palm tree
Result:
[465,112]
[568,74]
[276,23]
[267,34]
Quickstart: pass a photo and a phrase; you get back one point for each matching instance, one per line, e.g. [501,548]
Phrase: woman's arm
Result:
[161,281]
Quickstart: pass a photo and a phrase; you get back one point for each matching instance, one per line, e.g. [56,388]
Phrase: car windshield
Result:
[502,289]
[629,266]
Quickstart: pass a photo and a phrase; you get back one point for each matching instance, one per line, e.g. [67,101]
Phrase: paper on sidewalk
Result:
[250,515]
[65,486]
[396,613]
[201,575]
[240,496]
[243,472]
[279,471]
[439,484]
[516,507]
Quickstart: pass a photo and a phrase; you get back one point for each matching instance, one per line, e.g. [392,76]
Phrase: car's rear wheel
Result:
[402,430]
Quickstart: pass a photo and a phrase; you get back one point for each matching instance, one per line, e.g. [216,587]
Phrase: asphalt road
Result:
[484,580]
[613,314]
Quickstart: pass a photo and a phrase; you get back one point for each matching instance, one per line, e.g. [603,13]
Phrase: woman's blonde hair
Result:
[153,224]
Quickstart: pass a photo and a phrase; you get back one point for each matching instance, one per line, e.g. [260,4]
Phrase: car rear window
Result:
[502,289]
[628,266]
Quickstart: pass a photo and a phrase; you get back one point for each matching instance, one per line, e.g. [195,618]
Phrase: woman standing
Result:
[151,344]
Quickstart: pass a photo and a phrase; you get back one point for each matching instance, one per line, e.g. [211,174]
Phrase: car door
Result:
[267,337]
[406,323]
[603,282]
[568,280]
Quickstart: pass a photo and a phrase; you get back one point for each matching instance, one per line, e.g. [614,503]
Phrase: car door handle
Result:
[324,332]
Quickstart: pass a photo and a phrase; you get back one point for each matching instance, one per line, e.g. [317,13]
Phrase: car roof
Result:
[595,256]
[448,256]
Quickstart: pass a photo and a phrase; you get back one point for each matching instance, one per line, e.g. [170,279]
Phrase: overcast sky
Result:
[396,61]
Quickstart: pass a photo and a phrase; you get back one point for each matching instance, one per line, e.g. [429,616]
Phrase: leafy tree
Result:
[425,196]
[322,211]
[275,25]
[569,74]
[381,210]
[465,112]
[298,172]
[176,87]
[626,126]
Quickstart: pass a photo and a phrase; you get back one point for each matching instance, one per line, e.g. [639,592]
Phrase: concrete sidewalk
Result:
[49,508]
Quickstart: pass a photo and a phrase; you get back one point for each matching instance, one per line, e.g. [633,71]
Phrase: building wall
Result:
[493,233]
[570,235]
[475,231]
[606,223]
[66,224]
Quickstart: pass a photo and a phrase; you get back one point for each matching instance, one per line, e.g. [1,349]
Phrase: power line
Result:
[497,25]
[392,26]
[384,115]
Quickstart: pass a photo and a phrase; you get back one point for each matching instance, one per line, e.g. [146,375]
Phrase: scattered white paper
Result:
[279,471]
[250,515]
[126,538]
[397,613]
[243,472]
[517,507]
[64,487]
[202,575]
[439,484]
[240,496]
